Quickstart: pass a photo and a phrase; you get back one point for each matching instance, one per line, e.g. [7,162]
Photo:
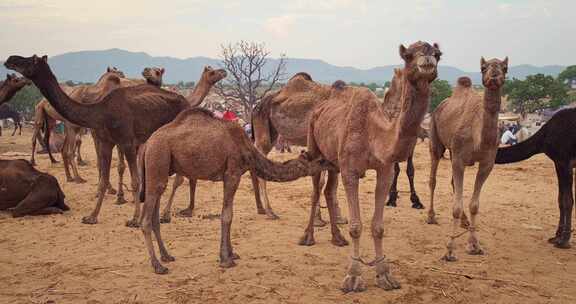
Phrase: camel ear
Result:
[45,58]
[437,54]
[108,70]
[482,61]
[162,71]
[505,63]
[436,45]
[404,53]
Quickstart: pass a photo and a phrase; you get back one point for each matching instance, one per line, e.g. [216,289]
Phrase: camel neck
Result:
[491,107]
[200,92]
[6,93]
[71,110]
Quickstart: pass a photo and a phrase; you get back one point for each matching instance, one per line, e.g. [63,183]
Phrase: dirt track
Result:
[57,258]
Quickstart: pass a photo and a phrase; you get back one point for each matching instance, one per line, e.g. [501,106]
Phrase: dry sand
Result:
[56,259]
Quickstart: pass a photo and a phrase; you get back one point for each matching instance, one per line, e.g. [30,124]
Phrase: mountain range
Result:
[87,66]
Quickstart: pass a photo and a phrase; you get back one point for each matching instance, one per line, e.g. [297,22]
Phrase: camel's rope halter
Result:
[373,263]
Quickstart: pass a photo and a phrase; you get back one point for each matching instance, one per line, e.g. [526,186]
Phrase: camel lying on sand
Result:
[199,146]
[467,125]
[27,191]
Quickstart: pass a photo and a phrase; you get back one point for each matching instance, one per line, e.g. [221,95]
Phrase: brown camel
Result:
[84,94]
[286,113]
[355,131]
[467,125]
[153,76]
[10,86]
[199,146]
[27,191]
[125,117]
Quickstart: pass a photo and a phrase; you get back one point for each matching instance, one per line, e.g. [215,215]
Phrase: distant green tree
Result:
[26,100]
[568,74]
[536,92]
[441,90]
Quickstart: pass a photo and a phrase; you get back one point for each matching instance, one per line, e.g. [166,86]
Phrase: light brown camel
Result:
[355,131]
[199,146]
[27,191]
[125,117]
[153,76]
[10,86]
[467,125]
[286,113]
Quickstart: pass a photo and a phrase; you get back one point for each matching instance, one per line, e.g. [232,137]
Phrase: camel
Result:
[27,191]
[556,139]
[199,146]
[10,86]
[126,117]
[353,130]
[467,125]
[7,112]
[286,113]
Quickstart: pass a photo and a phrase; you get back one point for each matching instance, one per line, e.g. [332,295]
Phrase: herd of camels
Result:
[347,130]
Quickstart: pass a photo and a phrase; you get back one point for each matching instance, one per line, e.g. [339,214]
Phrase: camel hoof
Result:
[133,223]
[339,241]
[449,258]
[33,163]
[307,240]
[353,281]
[227,263]
[475,250]
[417,205]
[562,244]
[167,258]
[431,220]
[340,220]
[271,215]
[112,191]
[70,180]
[391,203]
[235,256]
[159,269]
[120,200]
[553,240]
[90,220]
[186,212]
[393,197]
[80,180]
[261,211]
[165,219]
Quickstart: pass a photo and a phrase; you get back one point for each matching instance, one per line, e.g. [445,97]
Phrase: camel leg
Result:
[71,150]
[353,280]
[416,204]
[34,141]
[66,157]
[565,176]
[190,210]
[318,221]
[308,238]
[384,278]
[434,162]
[105,156]
[484,169]
[16,129]
[330,195]
[458,209]
[120,200]
[40,201]
[152,200]
[166,214]
[227,255]
[79,159]
[256,188]
[393,196]
[164,255]
[130,152]
[340,220]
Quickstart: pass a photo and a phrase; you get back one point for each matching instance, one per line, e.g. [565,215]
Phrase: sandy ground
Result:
[56,259]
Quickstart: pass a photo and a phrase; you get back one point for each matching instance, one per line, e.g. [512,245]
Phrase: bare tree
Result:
[248,77]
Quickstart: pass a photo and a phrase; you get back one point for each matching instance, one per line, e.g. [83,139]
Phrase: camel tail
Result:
[524,150]
[46,131]
[142,173]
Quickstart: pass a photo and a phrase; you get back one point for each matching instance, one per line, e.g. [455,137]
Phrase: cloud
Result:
[280,26]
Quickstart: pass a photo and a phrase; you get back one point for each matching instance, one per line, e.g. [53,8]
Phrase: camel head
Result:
[493,72]
[30,67]
[115,71]
[15,82]
[212,76]
[153,75]
[421,61]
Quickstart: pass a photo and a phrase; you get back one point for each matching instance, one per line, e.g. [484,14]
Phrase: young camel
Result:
[199,146]
[467,125]
[357,132]
[125,117]
[556,139]
[7,112]
[10,86]
[286,113]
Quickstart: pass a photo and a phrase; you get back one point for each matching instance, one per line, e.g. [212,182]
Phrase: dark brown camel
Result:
[27,191]
[556,139]
[10,86]
[126,117]
[7,112]
[198,146]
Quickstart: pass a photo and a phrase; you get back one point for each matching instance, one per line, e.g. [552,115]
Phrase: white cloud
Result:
[280,26]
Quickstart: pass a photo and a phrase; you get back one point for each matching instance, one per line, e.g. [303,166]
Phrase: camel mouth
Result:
[428,68]
[493,82]
[15,63]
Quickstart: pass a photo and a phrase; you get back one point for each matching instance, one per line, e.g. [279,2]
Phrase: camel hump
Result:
[338,85]
[464,82]
[303,75]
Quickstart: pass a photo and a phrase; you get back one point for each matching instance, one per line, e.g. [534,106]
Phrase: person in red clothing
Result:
[229,115]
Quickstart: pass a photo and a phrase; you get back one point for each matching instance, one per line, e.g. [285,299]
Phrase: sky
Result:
[358,33]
